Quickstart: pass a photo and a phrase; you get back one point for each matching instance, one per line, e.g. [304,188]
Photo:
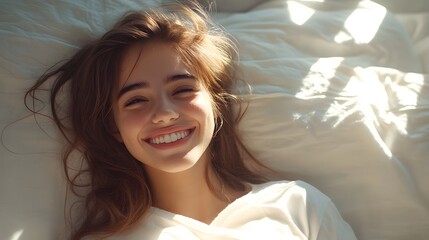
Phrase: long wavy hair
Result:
[119,193]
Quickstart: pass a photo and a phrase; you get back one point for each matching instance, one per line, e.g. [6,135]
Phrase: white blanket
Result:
[340,100]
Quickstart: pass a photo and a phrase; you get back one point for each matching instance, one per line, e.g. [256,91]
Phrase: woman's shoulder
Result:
[292,196]
[293,188]
[305,205]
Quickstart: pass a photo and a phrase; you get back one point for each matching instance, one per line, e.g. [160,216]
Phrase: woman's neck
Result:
[188,193]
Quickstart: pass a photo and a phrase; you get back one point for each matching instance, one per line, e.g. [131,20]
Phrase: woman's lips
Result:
[170,139]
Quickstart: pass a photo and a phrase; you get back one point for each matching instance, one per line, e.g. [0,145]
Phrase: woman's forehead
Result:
[149,59]
[152,60]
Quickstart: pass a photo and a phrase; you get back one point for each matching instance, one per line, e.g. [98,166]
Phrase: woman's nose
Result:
[165,111]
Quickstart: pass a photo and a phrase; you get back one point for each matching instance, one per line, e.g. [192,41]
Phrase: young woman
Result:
[150,110]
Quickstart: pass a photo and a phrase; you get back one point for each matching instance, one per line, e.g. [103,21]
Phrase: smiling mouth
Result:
[169,138]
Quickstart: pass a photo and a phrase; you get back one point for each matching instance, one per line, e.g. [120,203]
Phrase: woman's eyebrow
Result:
[180,76]
[139,85]
[132,87]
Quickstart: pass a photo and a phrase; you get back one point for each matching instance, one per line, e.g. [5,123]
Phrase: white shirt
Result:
[274,210]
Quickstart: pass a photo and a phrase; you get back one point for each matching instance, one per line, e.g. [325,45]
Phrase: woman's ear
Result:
[114,131]
[117,135]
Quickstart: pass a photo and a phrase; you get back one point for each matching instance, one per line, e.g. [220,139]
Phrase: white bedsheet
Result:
[340,101]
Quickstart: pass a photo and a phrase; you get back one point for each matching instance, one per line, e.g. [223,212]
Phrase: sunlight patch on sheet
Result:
[344,105]
[342,37]
[316,82]
[407,93]
[370,94]
[362,25]
[384,98]
[299,13]
[409,96]
[16,235]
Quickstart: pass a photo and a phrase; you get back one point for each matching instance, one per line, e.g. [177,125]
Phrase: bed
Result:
[340,100]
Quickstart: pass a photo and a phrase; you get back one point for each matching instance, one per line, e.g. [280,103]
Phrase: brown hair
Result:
[119,193]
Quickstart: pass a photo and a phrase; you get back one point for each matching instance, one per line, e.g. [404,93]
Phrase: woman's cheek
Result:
[132,122]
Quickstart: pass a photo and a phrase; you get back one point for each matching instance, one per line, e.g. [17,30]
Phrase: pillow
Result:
[336,107]
[230,6]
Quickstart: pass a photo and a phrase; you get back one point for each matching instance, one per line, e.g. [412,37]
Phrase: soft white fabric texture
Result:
[275,210]
[340,100]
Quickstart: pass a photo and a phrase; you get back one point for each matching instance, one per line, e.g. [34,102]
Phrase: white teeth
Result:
[168,138]
[174,137]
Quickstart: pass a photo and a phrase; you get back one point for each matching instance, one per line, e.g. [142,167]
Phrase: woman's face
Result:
[163,113]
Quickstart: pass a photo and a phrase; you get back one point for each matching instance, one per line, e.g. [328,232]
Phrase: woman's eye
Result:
[134,101]
[184,90]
